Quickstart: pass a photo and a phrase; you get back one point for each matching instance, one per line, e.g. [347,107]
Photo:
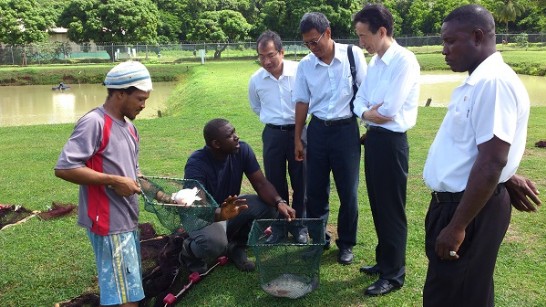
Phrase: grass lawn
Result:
[43,262]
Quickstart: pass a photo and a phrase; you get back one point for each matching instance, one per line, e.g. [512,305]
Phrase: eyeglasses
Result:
[313,43]
[270,56]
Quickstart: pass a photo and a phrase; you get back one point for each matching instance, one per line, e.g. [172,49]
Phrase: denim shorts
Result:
[118,265]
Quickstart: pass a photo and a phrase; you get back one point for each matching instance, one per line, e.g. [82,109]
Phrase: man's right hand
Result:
[298,150]
[125,186]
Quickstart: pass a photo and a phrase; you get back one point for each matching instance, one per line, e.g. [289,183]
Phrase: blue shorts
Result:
[118,265]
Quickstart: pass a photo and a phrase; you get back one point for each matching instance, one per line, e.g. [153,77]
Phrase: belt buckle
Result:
[283,128]
[435,194]
[328,123]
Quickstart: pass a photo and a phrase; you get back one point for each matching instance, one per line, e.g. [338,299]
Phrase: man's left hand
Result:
[448,243]
[231,207]
[288,212]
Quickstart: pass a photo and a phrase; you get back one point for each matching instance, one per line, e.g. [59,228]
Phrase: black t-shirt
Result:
[221,178]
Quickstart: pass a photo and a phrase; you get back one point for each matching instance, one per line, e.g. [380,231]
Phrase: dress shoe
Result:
[300,234]
[381,287]
[237,254]
[345,256]
[276,236]
[370,270]
[326,245]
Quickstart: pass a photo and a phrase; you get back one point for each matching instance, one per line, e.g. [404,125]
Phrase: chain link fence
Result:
[72,53]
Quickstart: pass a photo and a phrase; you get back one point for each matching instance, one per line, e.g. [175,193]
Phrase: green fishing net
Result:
[287,269]
[179,204]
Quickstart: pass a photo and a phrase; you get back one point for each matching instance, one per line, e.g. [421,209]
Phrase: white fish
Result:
[290,285]
[186,197]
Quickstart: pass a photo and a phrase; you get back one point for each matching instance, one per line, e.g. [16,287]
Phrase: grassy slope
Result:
[47,262]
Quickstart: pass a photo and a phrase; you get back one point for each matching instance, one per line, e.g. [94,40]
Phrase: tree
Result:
[508,10]
[121,21]
[23,22]
[220,27]
[283,16]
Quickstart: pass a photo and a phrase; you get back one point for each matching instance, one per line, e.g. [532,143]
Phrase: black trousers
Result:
[467,281]
[386,155]
[278,153]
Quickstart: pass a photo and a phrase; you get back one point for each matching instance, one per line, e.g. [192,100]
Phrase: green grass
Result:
[43,262]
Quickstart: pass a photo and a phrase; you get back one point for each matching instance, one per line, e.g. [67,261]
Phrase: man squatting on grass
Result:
[101,156]
[219,166]
[471,165]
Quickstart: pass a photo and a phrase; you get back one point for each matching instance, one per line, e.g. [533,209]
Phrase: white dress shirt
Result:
[393,80]
[271,98]
[492,101]
[327,88]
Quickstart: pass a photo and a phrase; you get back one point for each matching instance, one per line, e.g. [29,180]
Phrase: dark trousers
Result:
[467,281]
[211,241]
[335,149]
[386,155]
[278,147]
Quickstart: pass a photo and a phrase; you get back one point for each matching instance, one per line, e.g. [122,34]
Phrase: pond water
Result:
[438,86]
[38,104]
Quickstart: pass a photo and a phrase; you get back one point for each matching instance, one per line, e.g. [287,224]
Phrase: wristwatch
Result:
[278,202]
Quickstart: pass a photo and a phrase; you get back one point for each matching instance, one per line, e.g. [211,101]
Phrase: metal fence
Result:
[69,52]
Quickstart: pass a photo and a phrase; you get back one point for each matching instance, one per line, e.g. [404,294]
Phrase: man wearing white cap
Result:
[101,156]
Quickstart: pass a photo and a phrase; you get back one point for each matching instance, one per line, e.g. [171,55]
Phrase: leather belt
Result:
[334,122]
[382,130]
[447,197]
[281,127]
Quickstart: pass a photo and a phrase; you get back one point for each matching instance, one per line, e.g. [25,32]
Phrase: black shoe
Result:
[327,245]
[300,234]
[345,256]
[276,236]
[370,270]
[381,287]
[237,254]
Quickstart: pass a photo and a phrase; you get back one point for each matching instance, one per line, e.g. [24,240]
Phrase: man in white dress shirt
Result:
[471,165]
[387,103]
[270,95]
[324,90]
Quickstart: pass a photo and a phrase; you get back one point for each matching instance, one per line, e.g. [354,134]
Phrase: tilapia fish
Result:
[185,197]
[290,285]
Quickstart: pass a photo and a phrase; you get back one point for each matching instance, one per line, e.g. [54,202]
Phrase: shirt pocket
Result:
[461,126]
[346,85]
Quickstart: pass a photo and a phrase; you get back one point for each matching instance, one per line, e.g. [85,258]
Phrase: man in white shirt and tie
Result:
[387,103]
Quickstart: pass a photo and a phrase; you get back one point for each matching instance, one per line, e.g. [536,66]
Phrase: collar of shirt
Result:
[484,69]
[338,55]
[390,53]
[286,72]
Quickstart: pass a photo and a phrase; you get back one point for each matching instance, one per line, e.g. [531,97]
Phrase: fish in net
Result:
[287,269]
[179,204]
[290,286]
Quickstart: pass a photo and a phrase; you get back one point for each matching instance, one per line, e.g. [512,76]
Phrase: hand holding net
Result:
[178,203]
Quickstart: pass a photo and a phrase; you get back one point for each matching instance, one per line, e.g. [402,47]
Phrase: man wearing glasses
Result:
[324,90]
[270,95]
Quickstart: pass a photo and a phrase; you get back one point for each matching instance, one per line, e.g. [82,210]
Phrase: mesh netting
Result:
[287,269]
[11,214]
[194,209]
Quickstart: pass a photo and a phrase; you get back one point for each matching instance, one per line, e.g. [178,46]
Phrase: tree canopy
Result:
[168,21]
[121,21]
